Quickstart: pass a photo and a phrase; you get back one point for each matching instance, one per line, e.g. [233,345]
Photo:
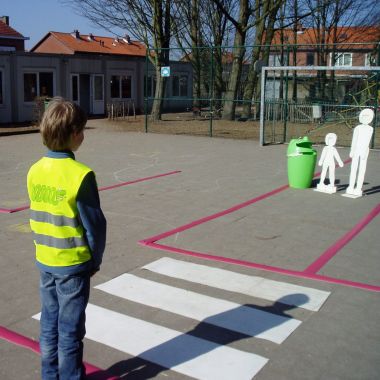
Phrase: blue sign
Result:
[165,71]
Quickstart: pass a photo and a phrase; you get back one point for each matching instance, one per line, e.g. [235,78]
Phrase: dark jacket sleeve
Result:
[92,218]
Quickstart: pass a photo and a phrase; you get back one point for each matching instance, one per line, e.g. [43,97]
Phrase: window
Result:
[75,88]
[126,87]
[342,59]
[179,85]
[1,87]
[150,86]
[275,60]
[309,59]
[98,87]
[37,84]
[370,59]
[121,86]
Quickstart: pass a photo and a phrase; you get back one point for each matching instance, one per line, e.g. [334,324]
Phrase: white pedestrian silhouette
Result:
[327,161]
[359,152]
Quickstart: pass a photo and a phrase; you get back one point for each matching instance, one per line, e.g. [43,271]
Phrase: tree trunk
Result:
[238,54]
[161,25]
[158,96]
[195,59]
[252,72]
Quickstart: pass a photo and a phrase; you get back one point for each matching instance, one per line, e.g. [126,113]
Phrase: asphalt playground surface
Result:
[223,205]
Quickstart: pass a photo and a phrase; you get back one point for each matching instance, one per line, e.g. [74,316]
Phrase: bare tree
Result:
[146,20]
[265,17]
[200,29]
[241,26]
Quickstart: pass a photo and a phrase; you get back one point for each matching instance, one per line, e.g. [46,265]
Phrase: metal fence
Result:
[294,104]
[282,119]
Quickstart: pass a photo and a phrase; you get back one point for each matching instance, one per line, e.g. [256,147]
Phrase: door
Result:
[97,94]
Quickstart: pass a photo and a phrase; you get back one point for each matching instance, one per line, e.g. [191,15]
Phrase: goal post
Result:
[315,100]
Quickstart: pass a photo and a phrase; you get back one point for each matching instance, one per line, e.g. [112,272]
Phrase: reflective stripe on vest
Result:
[65,243]
[53,186]
[57,220]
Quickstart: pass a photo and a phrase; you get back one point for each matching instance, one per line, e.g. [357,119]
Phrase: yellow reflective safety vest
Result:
[53,186]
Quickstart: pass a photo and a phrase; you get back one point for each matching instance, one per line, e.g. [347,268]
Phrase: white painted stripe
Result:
[195,357]
[222,313]
[289,294]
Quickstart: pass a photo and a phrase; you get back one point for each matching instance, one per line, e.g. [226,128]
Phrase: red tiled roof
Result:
[94,44]
[7,31]
[346,35]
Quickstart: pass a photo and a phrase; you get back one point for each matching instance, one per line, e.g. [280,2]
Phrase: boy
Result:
[69,235]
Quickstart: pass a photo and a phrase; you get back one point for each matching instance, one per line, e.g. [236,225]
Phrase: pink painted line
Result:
[19,339]
[337,246]
[213,216]
[11,210]
[25,342]
[221,213]
[308,273]
[5,211]
[268,268]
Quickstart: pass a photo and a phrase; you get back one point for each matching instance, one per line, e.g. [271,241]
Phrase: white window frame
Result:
[274,60]
[370,59]
[339,57]
[37,72]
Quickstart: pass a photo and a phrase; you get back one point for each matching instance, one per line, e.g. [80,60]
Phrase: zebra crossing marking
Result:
[296,295]
[218,312]
[184,353]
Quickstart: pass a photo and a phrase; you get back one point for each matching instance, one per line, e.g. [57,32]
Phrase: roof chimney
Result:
[127,39]
[76,34]
[91,37]
[5,19]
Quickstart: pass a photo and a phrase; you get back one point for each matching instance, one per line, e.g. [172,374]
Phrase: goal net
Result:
[315,100]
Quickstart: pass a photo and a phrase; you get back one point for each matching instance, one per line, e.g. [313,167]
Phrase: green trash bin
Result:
[301,163]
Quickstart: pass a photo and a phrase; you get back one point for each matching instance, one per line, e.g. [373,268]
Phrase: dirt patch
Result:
[185,124]
[275,132]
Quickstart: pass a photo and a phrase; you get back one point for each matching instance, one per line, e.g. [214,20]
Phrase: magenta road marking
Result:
[23,341]
[308,273]
[11,210]
[221,213]
[138,180]
[5,211]
[336,247]
[268,268]
[213,216]
[20,340]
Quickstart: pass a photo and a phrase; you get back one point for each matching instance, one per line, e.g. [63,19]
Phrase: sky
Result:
[35,18]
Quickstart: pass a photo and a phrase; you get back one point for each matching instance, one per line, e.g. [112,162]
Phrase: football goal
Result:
[315,100]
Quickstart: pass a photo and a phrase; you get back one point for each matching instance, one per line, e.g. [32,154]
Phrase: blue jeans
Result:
[63,304]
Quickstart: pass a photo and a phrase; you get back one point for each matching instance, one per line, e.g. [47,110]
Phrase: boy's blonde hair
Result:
[60,120]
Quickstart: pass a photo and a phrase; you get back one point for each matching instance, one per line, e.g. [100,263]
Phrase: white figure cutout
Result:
[359,152]
[327,161]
